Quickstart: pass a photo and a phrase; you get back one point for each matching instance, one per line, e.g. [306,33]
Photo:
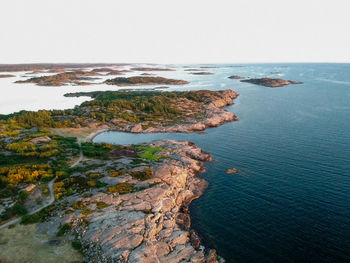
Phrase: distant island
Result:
[270,82]
[7,76]
[135,81]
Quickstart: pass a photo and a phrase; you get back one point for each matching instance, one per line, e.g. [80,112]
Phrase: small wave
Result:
[335,81]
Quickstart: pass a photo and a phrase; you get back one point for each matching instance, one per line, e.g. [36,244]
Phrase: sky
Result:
[181,31]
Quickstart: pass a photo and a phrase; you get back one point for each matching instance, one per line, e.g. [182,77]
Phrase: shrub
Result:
[101,205]
[63,229]
[39,216]
[117,173]
[122,188]
[19,209]
[142,175]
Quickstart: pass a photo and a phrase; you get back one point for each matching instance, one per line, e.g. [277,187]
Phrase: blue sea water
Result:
[290,201]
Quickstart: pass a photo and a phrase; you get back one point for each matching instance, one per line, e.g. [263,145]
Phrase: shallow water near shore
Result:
[290,200]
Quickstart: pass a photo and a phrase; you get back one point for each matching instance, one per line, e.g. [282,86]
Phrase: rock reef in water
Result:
[6,76]
[236,77]
[193,69]
[232,171]
[270,82]
[151,69]
[136,81]
[202,73]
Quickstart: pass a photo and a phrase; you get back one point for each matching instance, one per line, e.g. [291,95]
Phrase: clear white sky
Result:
[178,31]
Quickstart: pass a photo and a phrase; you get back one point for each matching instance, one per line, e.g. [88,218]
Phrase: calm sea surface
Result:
[290,201]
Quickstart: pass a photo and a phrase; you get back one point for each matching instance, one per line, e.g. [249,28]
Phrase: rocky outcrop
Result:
[6,76]
[142,80]
[151,224]
[152,69]
[232,171]
[202,73]
[236,77]
[272,83]
[41,139]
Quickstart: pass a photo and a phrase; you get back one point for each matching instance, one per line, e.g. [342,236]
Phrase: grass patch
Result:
[148,152]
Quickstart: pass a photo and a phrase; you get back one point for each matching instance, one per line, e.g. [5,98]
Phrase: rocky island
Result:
[236,77]
[202,73]
[7,76]
[270,82]
[61,79]
[136,81]
[151,69]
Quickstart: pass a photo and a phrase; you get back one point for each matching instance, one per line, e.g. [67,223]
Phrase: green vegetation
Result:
[117,173]
[39,216]
[149,152]
[63,229]
[16,210]
[76,244]
[122,188]
[155,107]
[136,80]
[142,175]
[101,205]
[30,153]
[79,205]
[71,185]
[96,150]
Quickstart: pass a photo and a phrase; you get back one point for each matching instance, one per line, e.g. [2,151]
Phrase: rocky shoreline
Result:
[215,115]
[151,224]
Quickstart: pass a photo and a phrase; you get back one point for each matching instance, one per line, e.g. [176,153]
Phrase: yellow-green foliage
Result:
[149,152]
[23,148]
[142,175]
[59,189]
[61,174]
[25,173]
[79,205]
[122,188]
[117,173]
[101,205]
[94,175]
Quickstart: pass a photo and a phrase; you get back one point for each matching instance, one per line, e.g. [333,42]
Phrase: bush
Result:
[23,195]
[122,188]
[142,175]
[117,173]
[76,244]
[101,205]
[19,209]
[38,217]
[63,229]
